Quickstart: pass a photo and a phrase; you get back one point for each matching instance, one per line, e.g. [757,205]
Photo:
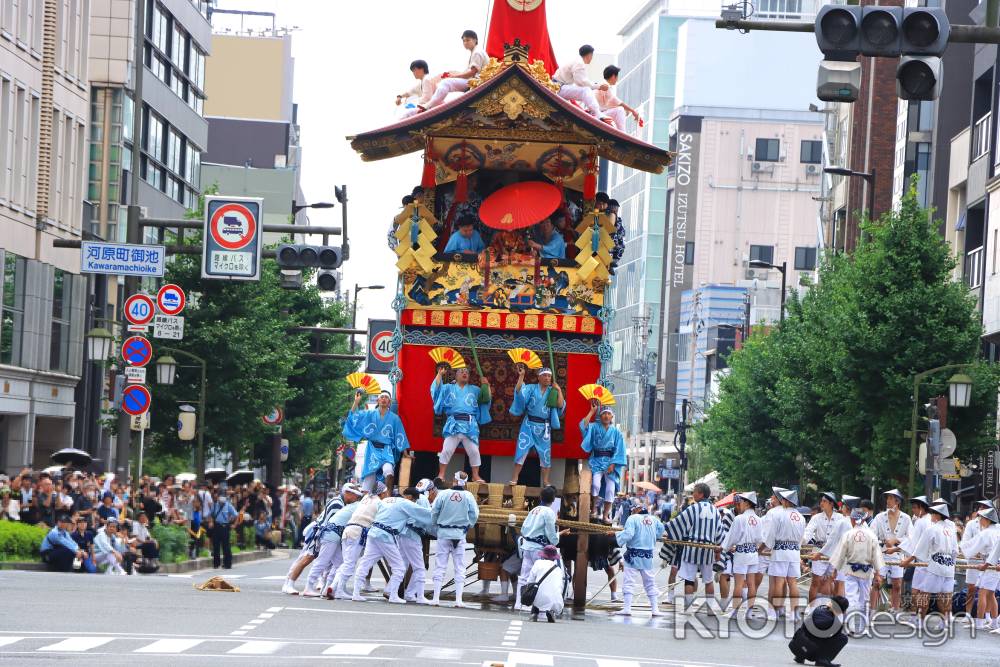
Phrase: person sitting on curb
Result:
[58,549]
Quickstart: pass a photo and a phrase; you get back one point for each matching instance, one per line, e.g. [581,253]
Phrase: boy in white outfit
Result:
[458,82]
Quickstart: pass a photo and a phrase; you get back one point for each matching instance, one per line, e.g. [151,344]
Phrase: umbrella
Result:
[520,205]
[215,474]
[240,477]
[186,477]
[52,470]
[727,501]
[647,486]
[71,455]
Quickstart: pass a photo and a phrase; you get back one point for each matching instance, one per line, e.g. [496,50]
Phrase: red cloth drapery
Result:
[507,23]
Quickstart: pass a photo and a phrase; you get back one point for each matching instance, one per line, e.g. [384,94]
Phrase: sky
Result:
[351,61]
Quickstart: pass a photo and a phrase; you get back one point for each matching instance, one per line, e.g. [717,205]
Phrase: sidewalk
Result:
[165,568]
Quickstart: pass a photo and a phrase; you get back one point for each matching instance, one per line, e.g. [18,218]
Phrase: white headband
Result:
[461,478]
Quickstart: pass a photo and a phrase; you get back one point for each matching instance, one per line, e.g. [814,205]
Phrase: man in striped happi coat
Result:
[725,564]
[699,522]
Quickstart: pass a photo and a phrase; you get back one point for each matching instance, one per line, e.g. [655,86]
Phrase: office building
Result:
[43,133]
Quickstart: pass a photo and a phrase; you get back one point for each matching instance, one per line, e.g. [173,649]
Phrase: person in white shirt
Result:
[742,540]
[891,528]
[859,557]
[458,82]
[969,536]
[609,102]
[937,547]
[822,533]
[421,92]
[987,543]
[574,84]
[783,536]
[920,519]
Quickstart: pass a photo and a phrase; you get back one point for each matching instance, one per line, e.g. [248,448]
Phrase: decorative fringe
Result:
[590,185]
[462,187]
[427,179]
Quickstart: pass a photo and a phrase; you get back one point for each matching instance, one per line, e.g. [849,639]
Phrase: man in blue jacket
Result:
[58,549]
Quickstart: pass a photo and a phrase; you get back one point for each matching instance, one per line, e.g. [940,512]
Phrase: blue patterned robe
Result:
[386,431]
[605,446]
[450,399]
[538,422]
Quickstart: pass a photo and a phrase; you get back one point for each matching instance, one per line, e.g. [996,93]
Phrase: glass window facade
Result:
[12,309]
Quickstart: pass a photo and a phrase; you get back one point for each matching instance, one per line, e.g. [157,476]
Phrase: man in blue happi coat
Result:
[639,538]
[604,442]
[386,437]
[453,513]
[466,240]
[532,401]
[467,410]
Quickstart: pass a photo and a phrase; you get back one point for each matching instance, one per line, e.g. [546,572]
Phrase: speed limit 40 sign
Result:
[380,352]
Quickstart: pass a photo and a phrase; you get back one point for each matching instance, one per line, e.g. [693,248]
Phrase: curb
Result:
[166,568]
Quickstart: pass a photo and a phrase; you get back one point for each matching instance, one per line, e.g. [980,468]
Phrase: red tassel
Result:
[427,179]
[590,186]
[462,187]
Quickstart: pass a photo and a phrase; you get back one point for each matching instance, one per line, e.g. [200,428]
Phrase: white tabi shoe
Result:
[289,588]
[460,605]
[623,612]
[502,599]
[420,599]
[396,600]
[359,598]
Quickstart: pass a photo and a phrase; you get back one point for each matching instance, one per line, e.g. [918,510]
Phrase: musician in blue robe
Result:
[548,243]
[604,442]
[532,401]
[461,402]
[639,539]
[465,240]
[386,437]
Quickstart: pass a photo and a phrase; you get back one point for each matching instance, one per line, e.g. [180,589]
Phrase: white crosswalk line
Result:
[608,662]
[235,576]
[274,577]
[350,649]
[169,646]
[77,644]
[256,648]
[522,658]
[440,653]
[180,576]
[9,640]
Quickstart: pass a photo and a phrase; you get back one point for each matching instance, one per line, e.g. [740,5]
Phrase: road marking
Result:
[508,644]
[354,612]
[264,614]
[235,576]
[168,646]
[440,653]
[238,632]
[248,627]
[274,577]
[77,644]
[351,649]
[9,640]
[603,662]
[274,609]
[256,648]
[180,576]
[519,658]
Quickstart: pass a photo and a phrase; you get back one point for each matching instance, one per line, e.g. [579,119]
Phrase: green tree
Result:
[833,384]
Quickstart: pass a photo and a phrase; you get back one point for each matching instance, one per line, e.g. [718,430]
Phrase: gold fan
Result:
[447,355]
[364,381]
[522,355]
[595,392]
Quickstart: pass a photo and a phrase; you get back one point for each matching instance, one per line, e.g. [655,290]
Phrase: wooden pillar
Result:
[581,569]
[404,472]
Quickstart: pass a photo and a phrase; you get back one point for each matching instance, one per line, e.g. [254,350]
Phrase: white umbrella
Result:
[186,477]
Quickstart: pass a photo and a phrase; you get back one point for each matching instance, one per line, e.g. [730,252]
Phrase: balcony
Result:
[974,268]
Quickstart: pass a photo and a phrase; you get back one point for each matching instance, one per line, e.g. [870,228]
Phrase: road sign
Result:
[170,299]
[135,375]
[121,259]
[671,473]
[274,417]
[168,326]
[949,443]
[284,450]
[380,353]
[139,309]
[135,399]
[137,351]
[232,238]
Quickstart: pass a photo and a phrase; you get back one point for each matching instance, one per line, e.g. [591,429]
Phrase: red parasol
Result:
[727,501]
[520,205]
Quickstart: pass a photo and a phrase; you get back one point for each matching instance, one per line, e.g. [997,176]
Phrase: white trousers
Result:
[596,482]
[632,579]
[368,483]
[325,566]
[453,550]
[450,85]
[350,550]
[528,558]
[109,560]
[412,552]
[570,91]
[451,443]
[857,591]
[617,114]
[374,551]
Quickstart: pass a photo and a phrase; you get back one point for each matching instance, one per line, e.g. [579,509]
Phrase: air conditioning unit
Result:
[756,274]
[143,212]
[757,167]
[813,169]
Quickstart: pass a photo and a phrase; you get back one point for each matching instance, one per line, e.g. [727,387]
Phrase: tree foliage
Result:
[826,397]
[254,363]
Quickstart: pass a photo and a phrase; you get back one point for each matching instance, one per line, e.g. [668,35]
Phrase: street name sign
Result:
[122,259]
[168,326]
[232,238]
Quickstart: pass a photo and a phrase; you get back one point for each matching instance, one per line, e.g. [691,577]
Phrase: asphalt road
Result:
[162,620]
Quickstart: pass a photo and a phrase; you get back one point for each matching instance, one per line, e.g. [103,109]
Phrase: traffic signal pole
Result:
[960,34]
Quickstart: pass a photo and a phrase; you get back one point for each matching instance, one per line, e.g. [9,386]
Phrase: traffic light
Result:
[295,256]
[328,281]
[925,32]
[917,35]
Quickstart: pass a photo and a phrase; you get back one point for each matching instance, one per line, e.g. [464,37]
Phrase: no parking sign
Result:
[232,238]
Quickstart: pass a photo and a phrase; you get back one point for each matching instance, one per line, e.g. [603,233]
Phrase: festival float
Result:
[514,153]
